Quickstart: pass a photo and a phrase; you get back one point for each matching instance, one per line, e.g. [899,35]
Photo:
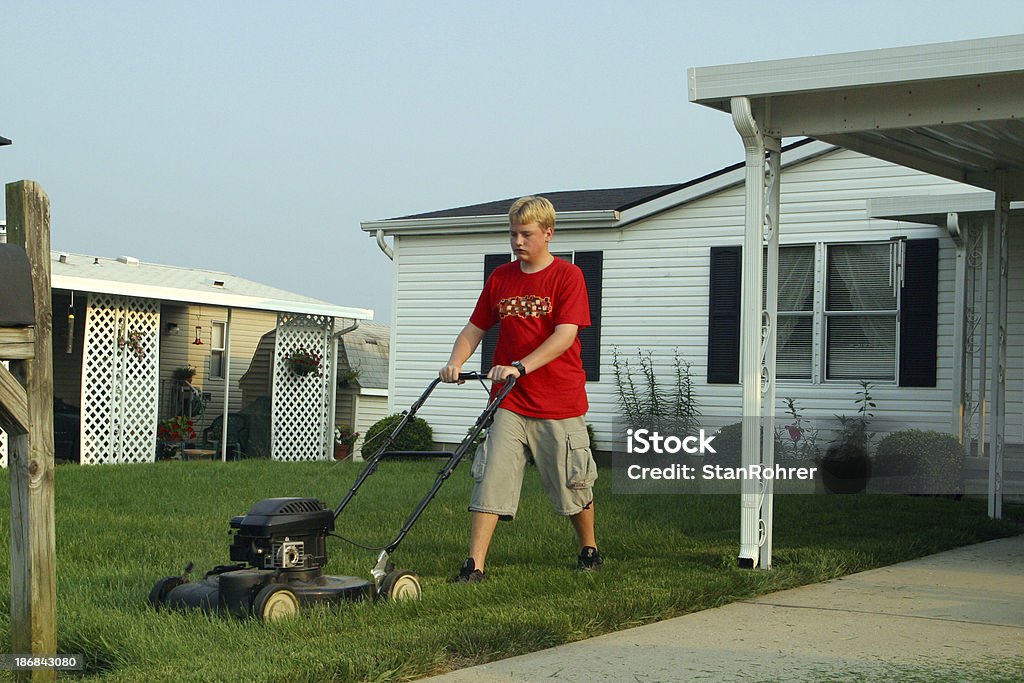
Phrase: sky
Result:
[254,137]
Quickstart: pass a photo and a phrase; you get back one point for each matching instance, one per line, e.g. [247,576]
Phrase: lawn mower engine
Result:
[280,548]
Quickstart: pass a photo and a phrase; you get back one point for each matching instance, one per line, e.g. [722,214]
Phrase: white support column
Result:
[982,308]
[750,320]
[769,327]
[1001,300]
[961,327]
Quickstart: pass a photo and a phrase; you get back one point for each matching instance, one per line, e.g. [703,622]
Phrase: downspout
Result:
[388,251]
[333,389]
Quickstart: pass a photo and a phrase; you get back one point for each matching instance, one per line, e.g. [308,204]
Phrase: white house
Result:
[650,255]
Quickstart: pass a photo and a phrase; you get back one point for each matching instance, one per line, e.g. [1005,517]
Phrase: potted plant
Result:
[344,439]
[184,374]
[303,362]
[172,433]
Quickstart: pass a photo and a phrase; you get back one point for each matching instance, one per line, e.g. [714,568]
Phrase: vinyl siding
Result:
[656,296]
[369,410]
[247,327]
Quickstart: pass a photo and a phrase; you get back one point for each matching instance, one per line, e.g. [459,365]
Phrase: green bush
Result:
[417,435]
[728,445]
[934,460]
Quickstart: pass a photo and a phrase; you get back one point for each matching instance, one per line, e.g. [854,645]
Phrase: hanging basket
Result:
[303,362]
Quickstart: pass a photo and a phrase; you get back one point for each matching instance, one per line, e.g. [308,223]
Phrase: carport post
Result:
[757,350]
[1000,273]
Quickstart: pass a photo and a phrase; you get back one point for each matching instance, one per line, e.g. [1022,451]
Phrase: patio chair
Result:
[238,434]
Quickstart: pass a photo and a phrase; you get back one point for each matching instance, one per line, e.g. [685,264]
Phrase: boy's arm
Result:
[465,345]
[551,348]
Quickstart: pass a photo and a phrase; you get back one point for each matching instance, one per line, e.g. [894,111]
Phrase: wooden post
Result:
[30,460]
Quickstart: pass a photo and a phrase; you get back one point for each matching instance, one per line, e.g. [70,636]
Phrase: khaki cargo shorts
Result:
[560,449]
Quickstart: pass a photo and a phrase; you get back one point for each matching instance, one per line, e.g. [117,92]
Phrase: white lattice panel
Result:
[300,404]
[120,380]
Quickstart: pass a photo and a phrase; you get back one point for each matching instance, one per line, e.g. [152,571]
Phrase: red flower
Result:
[794,432]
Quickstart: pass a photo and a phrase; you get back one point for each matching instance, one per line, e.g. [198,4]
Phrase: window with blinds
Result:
[861,315]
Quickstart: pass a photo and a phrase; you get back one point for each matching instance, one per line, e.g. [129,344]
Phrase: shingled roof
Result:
[612,199]
[584,208]
[366,352]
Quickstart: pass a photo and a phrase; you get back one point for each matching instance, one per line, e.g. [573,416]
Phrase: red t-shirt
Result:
[529,306]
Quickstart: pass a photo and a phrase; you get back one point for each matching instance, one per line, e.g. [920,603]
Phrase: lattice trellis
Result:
[300,407]
[120,380]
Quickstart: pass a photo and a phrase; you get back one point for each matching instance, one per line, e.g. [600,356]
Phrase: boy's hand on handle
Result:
[450,373]
[500,373]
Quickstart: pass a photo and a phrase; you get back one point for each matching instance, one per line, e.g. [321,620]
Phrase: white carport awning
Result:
[949,109]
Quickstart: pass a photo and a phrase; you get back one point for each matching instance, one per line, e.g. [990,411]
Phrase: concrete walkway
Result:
[956,616]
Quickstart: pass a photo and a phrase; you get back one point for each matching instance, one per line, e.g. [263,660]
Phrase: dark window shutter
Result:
[490,340]
[919,313]
[724,315]
[592,265]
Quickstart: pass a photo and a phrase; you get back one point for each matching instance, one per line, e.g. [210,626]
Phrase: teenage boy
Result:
[541,303]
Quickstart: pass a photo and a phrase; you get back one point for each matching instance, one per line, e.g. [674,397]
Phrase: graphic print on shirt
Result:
[529,306]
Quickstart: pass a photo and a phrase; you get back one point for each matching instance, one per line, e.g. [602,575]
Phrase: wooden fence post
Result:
[30,460]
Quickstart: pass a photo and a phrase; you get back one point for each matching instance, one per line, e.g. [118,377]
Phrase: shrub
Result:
[417,435]
[932,459]
[728,445]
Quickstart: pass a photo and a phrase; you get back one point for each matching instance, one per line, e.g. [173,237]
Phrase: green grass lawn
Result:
[120,528]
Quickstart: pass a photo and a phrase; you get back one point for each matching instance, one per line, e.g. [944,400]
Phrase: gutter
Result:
[388,251]
[449,225]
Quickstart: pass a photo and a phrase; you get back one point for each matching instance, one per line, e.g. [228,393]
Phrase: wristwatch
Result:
[519,366]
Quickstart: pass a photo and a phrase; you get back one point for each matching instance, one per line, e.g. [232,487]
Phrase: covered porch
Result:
[138,346]
[949,109]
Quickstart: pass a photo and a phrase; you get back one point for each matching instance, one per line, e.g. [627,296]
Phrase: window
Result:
[217,336]
[794,346]
[861,312]
[591,263]
[846,312]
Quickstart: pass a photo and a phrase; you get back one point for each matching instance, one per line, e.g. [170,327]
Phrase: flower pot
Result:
[846,475]
[341,451]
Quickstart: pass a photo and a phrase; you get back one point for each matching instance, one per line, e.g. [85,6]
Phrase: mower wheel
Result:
[161,588]
[400,585]
[274,602]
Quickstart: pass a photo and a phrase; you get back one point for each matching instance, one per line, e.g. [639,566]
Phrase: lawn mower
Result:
[279,546]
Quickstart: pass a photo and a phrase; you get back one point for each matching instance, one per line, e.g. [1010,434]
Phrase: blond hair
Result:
[526,210]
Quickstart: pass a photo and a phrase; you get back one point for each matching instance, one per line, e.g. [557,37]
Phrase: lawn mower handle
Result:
[482,422]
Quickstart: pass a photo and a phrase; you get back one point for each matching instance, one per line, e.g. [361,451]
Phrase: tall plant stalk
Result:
[642,395]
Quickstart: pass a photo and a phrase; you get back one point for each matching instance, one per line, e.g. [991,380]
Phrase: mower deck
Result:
[237,591]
